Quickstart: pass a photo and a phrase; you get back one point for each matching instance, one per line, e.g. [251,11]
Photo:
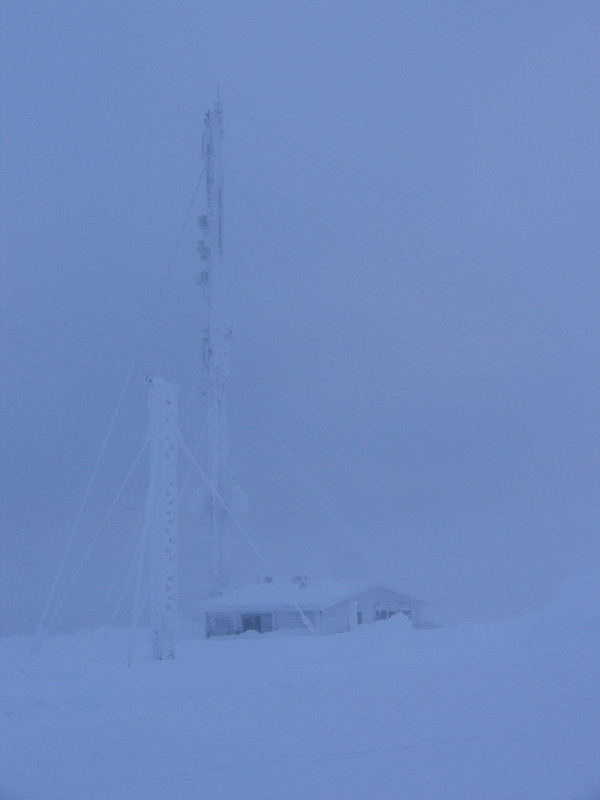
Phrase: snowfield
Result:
[506,710]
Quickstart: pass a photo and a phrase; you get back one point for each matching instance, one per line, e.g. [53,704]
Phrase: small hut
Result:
[329,606]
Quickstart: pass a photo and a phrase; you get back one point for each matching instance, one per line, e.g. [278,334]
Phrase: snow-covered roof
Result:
[313,595]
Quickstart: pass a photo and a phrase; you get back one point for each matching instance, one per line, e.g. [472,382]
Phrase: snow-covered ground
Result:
[506,710]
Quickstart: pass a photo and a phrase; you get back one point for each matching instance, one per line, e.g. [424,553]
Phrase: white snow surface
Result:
[505,710]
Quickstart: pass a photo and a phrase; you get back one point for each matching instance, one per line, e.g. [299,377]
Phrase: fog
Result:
[412,249]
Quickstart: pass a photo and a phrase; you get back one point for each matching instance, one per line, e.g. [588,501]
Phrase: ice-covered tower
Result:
[216,338]
[161,515]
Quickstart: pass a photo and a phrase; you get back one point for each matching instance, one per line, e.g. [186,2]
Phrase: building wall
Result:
[263,623]
[220,624]
[292,620]
[376,603]
[335,619]
[373,604]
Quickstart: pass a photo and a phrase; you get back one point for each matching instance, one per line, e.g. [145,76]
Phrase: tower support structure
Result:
[161,515]
[216,338]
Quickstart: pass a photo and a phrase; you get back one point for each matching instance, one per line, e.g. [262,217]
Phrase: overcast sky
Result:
[412,255]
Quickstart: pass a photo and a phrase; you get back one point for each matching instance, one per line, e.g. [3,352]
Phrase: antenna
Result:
[216,337]
[161,515]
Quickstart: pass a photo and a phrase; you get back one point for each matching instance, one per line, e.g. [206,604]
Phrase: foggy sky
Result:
[416,303]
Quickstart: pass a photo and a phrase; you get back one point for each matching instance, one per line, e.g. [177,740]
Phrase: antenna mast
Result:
[161,515]
[216,337]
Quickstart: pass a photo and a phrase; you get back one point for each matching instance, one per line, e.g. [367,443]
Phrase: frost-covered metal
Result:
[216,338]
[161,515]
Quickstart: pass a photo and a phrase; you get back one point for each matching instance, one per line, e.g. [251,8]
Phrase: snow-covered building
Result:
[327,606]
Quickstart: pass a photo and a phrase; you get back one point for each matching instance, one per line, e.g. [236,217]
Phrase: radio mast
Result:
[161,515]
[216,338]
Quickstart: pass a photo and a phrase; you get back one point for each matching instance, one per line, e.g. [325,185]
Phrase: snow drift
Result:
[506,710]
